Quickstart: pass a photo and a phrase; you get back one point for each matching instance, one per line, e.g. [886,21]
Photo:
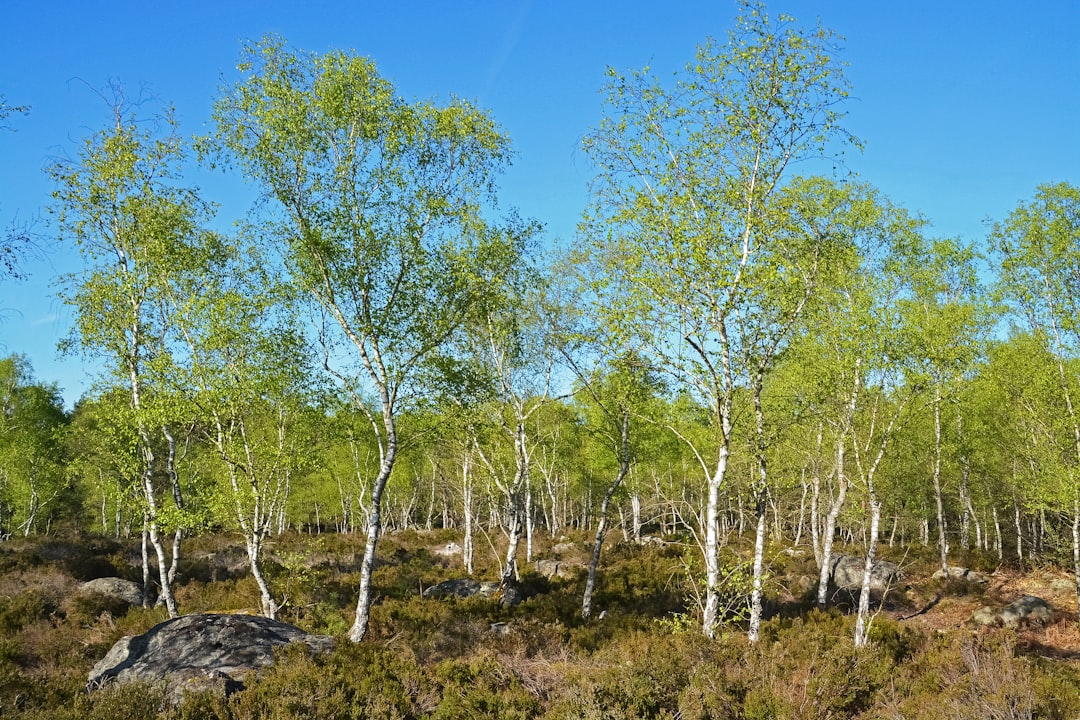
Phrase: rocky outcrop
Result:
[1028,610]
[564,548]
[508,596]
[450,549]
[200,652]
[847,574]
[125,591]
[462,588]
[565,569]
[962,573]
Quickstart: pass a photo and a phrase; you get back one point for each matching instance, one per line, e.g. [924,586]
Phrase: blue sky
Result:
[965,106]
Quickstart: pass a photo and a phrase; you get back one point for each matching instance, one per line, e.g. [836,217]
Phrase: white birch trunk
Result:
[1076,551]
[467,510]
[997,536]
[635,510]
[759,556]
[862,622]
[598,541]
[943,543]
[374,522]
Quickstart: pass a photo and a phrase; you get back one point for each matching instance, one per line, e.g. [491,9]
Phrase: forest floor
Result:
[951,614]
[646,658]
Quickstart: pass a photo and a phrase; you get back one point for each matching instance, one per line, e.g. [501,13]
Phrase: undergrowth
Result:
[645,657]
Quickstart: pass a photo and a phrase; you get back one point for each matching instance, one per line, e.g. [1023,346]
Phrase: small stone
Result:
[985,615]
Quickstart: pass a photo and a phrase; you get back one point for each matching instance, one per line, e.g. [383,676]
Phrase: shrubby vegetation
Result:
[442,658]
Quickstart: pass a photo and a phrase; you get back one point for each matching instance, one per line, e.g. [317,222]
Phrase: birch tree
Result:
[242,367]
[375,204]
[121,204]
[616,404]
[684,176]
[843,337]
[33,486]
[511,346]
[946,330]
[1038,249]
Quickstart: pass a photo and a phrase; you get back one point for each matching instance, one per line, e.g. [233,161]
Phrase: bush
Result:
[22,609]
[355,681]
[481,688]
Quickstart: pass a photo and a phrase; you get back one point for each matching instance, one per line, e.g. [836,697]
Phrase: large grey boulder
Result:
[200,652]
[1028,610]
[508,596]
[125,591]
[985,615]
[847,574]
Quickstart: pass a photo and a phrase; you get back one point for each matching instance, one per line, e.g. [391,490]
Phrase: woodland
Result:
[734,373]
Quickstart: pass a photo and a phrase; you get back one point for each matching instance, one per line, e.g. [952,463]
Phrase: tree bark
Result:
[467,510]
[943,543]
[862,622]
[598,541]
[761,506]
[374,525]
[1076,550]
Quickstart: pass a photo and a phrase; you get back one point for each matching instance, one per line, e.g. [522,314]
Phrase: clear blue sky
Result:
[965,105]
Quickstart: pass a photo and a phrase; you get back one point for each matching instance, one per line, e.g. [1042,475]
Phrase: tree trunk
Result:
[815,496]
[1076,550]
[146,560]
[155,540]
[815,527]
[374,525]
[598,541]
[178,498]
[711,613]
[802,516]
[862,622]
[830,527]
[842,486]
[943,544]
[510,568]
[1019,534]
[761,506]
[466,493]
[969,515]
[528,523]
[635,510]
[268,606]
[997,536]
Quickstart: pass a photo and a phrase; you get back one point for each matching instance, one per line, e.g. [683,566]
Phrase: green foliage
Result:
[33,488]
[137,701]
[355,681]
[481,688]
[26,607]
